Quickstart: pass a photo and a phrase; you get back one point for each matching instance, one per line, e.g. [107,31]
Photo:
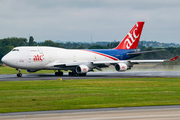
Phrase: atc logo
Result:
[84,69]
[38,58]
[132,37]
[123,67]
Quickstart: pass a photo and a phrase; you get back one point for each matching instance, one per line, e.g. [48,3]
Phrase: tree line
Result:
[7,44]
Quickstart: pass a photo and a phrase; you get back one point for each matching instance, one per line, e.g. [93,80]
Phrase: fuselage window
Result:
[15,50]
[33,50]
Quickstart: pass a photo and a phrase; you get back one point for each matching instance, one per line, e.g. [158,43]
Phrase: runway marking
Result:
[164,112]
[134,117]
[85,117]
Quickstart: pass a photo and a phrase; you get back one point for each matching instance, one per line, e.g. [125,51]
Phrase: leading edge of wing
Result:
[58,64]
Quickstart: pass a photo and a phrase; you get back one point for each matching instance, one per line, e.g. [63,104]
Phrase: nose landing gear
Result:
[19,74]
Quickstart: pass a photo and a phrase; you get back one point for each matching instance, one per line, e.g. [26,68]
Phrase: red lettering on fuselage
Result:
[21,60]
[38,58]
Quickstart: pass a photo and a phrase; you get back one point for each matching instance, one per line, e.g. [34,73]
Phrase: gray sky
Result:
[76,20]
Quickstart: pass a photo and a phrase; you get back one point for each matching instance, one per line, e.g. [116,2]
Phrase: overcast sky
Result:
[77,20]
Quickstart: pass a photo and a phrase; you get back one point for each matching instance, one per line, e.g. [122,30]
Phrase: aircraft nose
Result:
[3,59]
[7,60]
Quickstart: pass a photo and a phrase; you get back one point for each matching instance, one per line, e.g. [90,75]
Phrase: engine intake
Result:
[82,69]
[121,67]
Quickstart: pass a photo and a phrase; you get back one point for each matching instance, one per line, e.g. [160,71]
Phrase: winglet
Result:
[174,58]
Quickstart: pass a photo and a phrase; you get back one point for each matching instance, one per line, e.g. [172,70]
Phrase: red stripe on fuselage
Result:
[113,58]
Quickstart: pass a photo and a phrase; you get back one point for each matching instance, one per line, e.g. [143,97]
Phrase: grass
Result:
[9,70]
[20,96]
[140,67]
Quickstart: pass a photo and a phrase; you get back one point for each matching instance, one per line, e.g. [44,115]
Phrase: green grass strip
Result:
[9,70]
[20,96]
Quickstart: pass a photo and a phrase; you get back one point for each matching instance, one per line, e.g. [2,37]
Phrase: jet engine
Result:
[82,69]
[121,67]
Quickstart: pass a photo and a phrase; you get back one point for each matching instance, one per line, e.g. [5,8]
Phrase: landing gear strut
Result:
[19,74]
[59,73]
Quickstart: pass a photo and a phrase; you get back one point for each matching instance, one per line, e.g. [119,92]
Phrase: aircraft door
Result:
[95,58]
[40,50]
[21,62]
[29,61]
[74,58]
[35,59]
[50,58]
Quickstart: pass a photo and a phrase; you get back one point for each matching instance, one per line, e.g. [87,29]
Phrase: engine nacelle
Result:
[82,69]
[121,67]
[31,71]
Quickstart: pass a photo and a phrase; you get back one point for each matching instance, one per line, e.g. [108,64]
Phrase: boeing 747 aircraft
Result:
[79,62]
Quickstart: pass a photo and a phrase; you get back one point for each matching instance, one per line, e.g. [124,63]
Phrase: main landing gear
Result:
[74,73]
[59,73]
[19,74]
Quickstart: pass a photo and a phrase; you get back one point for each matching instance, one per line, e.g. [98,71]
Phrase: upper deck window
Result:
[33,50]
[15,50]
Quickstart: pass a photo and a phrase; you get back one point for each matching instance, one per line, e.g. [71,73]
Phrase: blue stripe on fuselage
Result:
[120,54]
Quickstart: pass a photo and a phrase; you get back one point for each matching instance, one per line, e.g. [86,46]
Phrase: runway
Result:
[127,113]
[91,75]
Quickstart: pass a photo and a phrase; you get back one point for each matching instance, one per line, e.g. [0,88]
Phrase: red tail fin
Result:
[174,58]
[132,38]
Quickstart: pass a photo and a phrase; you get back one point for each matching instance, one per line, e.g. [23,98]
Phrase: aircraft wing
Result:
[143,52]
[58,64]
[134,61]
[98,64]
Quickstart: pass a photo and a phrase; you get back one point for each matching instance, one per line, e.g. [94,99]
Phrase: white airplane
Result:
[34,58]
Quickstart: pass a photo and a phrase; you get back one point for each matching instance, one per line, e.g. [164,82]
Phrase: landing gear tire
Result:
[58,73]
[19,75]
[76,74]
[82,74]
[72,74]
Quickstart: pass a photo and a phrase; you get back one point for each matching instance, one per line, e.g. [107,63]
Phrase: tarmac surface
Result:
[91,75]
[127,113]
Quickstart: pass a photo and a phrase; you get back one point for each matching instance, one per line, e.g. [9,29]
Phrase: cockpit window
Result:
[15,50]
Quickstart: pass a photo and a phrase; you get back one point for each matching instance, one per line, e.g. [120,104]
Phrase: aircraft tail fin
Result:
[132,38]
